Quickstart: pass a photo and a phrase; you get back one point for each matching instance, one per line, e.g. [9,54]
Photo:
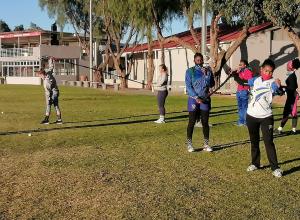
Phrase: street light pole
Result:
[91,44]
[203,29]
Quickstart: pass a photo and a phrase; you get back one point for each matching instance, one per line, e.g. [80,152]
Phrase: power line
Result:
[107,73]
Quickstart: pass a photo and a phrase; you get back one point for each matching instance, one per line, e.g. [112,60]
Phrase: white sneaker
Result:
[190,148]
[252,168]
[160,121]
[277,173]
[198,125]
[207,148]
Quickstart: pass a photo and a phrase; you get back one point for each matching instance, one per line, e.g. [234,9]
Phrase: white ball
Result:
[29,134]
[2,112]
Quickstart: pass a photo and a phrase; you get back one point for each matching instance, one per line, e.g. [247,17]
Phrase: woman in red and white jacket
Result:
[242,94]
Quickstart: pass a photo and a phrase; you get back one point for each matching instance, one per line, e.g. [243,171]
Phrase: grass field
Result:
[110,161]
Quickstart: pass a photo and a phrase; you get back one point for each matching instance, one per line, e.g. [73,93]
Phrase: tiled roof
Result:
[226,34]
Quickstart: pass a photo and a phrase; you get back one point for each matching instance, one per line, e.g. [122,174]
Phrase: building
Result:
[265,41]
[21,53]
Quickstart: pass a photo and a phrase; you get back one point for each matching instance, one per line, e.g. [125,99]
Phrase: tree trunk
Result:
[187,10]
[161,43]
[150,66]
[162,48]
[102,66]
[294,37]
[224,56]
[219,59]
[120,72]
[214,42]
[181,42]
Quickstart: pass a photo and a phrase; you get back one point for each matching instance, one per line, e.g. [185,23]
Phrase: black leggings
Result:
[192,120]
[266,125]
[288,107]
[161,99]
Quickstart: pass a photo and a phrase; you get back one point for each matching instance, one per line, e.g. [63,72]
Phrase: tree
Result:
[64,12]
[162,12]
[4,27]
[285,14]
[19,28]
[237,13]
[118,26]
[74,12]
[240,13]
[188,10]
[141,10]
[34,26]
[150,18]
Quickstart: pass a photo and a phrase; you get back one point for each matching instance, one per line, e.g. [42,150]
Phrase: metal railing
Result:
[16,52]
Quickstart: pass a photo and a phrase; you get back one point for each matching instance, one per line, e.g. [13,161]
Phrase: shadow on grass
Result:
[286,172]
[73,127]
[121,118]
[170,120]
[221,112]
[62,127]
[292,170]
[236,143]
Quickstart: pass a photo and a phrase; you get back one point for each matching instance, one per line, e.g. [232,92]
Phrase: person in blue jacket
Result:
[198,80]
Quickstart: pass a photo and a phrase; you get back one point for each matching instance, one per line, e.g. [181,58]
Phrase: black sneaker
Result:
[58,121]
[45,121]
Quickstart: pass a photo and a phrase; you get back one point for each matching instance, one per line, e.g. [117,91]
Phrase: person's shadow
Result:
[237,143]
[254,65]
[278,57]
[292,170]
[287,172]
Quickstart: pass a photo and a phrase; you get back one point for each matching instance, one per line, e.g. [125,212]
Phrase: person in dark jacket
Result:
[198,80]
[291,92]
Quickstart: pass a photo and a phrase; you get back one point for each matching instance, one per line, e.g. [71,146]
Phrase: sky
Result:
[17,12]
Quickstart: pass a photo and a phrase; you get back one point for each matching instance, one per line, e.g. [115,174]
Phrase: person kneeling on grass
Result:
[259,114]
[51,92]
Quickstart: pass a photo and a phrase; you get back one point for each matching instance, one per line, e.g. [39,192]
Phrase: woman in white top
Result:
[260,115]
[162,92]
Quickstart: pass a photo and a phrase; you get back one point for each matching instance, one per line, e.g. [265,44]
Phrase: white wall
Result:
[259,47]
[255,49]
[67,52]
[24,80]
[176,59]
[282,52]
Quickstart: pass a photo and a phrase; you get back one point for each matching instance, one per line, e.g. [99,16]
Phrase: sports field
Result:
[110,161]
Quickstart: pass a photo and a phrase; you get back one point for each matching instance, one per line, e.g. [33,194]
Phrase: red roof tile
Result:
[226,34]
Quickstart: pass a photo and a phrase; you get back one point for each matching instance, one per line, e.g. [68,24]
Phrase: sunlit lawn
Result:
[110,161]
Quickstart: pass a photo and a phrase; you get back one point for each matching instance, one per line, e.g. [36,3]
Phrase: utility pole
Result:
[91,44]
[203,29]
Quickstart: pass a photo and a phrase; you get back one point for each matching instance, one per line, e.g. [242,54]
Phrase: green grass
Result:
[110,161]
